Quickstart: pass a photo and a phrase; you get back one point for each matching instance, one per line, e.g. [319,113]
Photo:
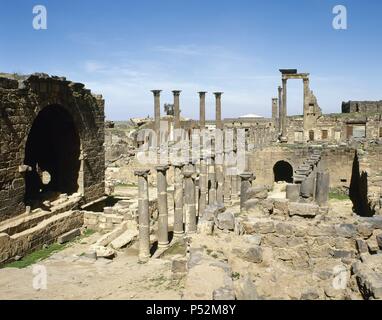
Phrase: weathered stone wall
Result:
[45,232]
[362,106]
[338,160]
[21,101]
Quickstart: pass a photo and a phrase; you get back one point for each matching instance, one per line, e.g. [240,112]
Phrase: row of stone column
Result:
[310,181]
[214,188]
[202,111]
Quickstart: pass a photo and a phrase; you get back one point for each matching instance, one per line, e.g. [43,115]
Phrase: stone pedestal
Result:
[162,206]
[322,188]
[189,200]
[178,199]
[143,215]
[245,179]
[293,192]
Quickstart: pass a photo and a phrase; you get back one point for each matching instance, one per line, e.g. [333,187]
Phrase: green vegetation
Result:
[337,195]
[45,252]
[125,185]
[236,275]
[36,256]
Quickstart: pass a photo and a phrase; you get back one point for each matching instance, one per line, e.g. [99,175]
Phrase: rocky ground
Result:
[222,265]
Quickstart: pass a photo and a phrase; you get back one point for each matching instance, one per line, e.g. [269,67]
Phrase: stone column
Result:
[227,177]
[162,206]
[284,113]
[143,215]
[202,110]
[280,108]
[219,169]
[293,192]
[274,110]
[157,111]
[203,185]
[306,101]
[176,109]
[246,183]
[189,199]
[235,180]
[211,180]
[178,199]
[219,124]
[322,188]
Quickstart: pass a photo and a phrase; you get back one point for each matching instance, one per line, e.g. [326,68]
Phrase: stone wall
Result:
[45,232]
[362,106]
[21,100]
[338,160]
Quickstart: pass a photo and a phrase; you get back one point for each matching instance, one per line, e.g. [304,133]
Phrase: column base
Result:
[178,234]
[163,245]
[143,258]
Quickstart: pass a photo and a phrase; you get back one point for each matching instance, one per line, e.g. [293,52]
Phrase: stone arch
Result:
[53,149]
[283,171]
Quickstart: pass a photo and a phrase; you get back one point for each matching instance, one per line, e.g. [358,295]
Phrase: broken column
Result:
[235,181]
[203,185]
[219,178]
[293,192]
[228,156]
[274,110]
[178,199]
[322,188]
[143,215]
[189,199]
[202,111]
[162,206]
[219,124]
[246,183]
[176,109]
[211,180]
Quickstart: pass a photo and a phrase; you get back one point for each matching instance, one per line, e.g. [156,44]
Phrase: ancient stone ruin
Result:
[287,207]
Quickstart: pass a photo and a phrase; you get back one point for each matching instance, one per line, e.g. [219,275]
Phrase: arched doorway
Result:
[283,171]
[52,151]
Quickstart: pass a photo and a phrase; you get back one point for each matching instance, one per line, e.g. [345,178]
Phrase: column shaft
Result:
[143,216]
[178,200]
[162,206]
[189,198]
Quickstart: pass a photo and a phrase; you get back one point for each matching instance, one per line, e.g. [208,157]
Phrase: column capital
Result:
[162,168]
[202,93]
[179,165]
[142,173]
[246,175]
[188,173]
[156,92]
[176,92]
[218,94]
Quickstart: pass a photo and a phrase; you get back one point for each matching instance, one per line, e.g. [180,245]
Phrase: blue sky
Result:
[123,49]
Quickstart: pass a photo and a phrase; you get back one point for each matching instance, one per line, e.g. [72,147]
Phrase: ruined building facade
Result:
[52,142]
